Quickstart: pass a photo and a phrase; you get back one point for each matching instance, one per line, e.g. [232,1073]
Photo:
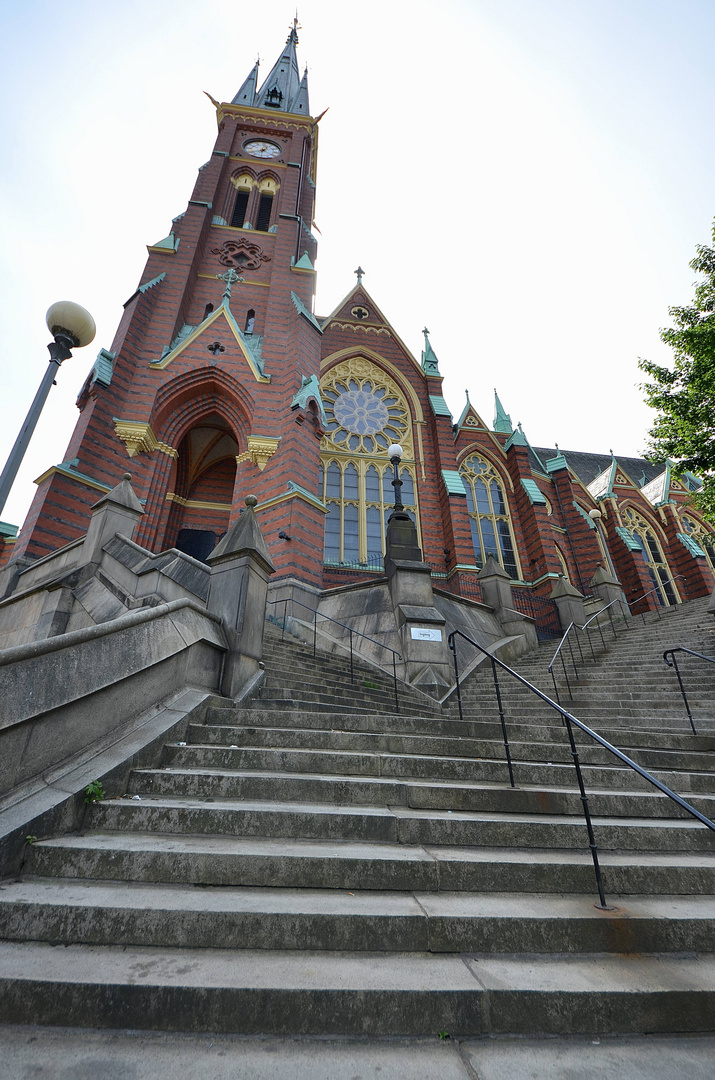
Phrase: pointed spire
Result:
[502,420]
[430,363]
[247,93]
[283,89]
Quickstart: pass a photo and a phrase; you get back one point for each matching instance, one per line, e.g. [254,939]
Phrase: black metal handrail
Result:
[569,719]
[319,615]
[571,634]
[674,664]
[657,589]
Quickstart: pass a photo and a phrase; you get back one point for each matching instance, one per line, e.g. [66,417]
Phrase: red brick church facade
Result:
[222,381]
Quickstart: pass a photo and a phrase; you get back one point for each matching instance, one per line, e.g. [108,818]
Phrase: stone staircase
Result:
[314,863]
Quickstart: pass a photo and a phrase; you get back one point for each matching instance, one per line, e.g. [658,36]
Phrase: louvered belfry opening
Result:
[264,213]
[239,209]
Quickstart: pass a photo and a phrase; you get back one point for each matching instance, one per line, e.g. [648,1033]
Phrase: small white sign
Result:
[422,633]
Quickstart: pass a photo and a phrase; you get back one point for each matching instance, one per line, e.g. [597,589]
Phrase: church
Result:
[223,381]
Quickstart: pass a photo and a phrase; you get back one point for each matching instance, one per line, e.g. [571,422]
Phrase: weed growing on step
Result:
[94,792]
[371,685]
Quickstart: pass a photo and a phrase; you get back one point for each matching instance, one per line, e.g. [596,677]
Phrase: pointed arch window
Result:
[360,498]
[656,562]
[489,517]
[698,532]
[366,412]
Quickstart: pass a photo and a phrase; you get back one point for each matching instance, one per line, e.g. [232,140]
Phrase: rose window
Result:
[363,416]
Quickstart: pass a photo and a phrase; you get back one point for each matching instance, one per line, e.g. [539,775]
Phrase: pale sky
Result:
[527,179]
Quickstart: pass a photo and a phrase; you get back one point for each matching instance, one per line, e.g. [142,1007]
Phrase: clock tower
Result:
[210,385]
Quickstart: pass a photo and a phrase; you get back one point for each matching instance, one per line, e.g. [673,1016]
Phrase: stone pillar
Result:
[569,602]
[496,592]
[117,512]
[609,589]
[422,629]
[240,568]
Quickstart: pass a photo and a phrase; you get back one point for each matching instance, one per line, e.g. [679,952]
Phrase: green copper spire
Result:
[502,420]
[430,363]
[283,89]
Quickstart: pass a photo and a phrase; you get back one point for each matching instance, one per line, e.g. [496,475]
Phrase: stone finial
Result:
[243,538]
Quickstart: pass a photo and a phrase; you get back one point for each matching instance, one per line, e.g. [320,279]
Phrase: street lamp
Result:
[395,454]
[72,328]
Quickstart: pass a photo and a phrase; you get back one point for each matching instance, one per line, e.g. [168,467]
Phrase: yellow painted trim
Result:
[79,479]
[160,250]
[369,300]
[196,504]
[250,232]
[201,329]
[254,284]
[253,112]
[302,270]
[277,499]
[369,354]
[140,439]
[260,449]
[476,448]
[258,163]
[421,450]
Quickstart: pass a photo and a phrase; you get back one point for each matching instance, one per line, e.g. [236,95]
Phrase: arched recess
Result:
[203,415]
[205,476]
[366,411]
[646,534]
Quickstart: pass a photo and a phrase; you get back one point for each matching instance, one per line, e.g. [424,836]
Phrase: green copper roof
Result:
[283,89]
[430,363]
[439,405]
[536,495]
[103,368]
[302,310]
[8,530]
[589,520]
[517,438]
[502,420]
[628,539]
[453,482]
[556,463]
[309,388]
[304,262]
[692,545]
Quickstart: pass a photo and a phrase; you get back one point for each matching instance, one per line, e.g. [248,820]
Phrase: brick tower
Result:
[210,384]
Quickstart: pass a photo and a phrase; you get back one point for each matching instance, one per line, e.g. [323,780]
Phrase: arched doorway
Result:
[203,494]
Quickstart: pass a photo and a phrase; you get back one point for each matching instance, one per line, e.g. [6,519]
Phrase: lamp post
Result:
[72,328]
[395,455]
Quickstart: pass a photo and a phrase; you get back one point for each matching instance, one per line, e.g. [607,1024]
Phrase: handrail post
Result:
[285,616]
[503,724]
[315,631]
[352,675]
[587,815]
[394,681]
[453,646]
[682,689]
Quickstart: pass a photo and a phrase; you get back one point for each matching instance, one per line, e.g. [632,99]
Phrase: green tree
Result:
[684,394]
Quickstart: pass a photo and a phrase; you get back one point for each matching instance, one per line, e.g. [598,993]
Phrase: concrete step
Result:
[554,795]
[306,992]
[356,866]
[179,916]
[360,763]
[374,742]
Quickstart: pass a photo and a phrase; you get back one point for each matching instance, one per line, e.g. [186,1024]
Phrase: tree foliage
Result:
[684,394]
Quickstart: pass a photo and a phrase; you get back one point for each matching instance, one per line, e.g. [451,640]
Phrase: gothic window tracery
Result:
[489,516]
[700,534]
[366,412]
[652,552]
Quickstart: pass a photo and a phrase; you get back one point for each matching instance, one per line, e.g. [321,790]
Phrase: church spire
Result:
[430,364]
[283,89]
[502,420]
[247,93]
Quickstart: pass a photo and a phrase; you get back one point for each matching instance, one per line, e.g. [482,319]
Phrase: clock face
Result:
[261,149]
